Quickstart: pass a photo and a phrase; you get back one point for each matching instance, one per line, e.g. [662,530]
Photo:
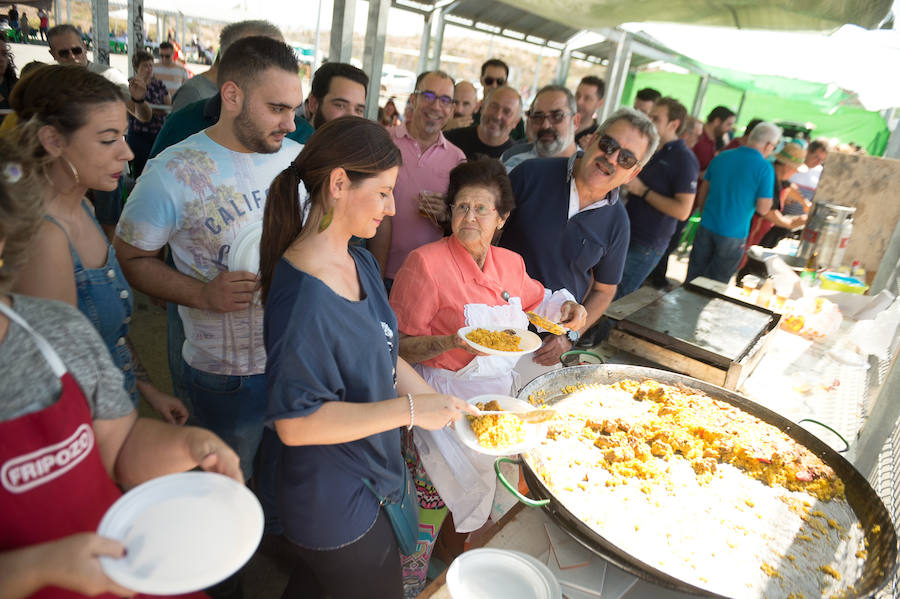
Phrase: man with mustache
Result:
[198,196]
[552,122]
[569,225]
[500,113]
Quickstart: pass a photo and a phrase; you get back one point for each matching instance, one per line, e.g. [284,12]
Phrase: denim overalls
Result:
[105,298]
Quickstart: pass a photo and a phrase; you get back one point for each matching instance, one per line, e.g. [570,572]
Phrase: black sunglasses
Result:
[555,117]
[492,81]
[65,52]
[431,97]
[608,146]
[165,55]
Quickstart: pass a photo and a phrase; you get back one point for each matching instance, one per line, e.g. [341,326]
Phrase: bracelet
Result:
[412,411]
[136,101]
[645,194]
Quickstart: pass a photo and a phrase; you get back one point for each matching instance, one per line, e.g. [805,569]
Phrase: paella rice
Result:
[505,340]
[496,431]
[737,507]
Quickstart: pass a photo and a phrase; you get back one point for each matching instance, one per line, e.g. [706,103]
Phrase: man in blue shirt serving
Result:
[736,184]
[660,196]
[568,224]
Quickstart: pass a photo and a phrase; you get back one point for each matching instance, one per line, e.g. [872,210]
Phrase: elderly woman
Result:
[59,383]
[463,280]
[142,135]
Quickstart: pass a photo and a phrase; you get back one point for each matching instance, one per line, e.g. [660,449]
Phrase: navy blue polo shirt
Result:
[559,251]
[322,347]
[673,169]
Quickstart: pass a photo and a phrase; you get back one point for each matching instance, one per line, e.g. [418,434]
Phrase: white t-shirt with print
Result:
[196,196]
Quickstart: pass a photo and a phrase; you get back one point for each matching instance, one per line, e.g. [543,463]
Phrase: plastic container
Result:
[838,282]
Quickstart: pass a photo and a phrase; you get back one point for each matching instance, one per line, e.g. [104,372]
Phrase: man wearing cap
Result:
[736,183]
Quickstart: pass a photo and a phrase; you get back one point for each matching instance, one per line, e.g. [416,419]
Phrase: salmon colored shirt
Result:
[436,282]
[421,171]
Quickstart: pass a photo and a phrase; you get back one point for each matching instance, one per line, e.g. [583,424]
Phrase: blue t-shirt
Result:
[736,179]
[559,251]
[672,170]
[323,347]
[204,113]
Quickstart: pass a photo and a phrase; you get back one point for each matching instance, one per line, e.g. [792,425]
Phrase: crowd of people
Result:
[325,371]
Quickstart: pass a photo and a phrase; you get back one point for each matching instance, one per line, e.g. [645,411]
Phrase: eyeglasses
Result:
[74,51]
[608,145]
[479,210]
[431,97]
[555,117]
[493,80]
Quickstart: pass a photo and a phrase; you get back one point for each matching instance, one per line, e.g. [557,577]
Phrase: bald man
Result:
[500,114]
[466,97]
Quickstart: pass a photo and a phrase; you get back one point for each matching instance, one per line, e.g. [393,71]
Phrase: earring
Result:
[326,219]
[73,169]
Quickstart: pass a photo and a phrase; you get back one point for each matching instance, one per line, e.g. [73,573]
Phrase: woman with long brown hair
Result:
[72,125]
[338,393]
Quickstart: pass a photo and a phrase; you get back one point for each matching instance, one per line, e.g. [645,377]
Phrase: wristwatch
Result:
[573,336]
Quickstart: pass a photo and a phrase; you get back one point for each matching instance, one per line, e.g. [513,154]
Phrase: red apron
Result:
[52,480]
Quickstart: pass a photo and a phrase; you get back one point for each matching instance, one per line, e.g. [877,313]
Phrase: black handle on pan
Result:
[513,490]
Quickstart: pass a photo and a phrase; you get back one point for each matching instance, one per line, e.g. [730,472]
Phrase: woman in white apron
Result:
[462,280]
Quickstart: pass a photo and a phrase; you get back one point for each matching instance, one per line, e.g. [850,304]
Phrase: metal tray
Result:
[702,324]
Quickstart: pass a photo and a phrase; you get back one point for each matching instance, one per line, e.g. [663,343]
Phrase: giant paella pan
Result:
[698,489]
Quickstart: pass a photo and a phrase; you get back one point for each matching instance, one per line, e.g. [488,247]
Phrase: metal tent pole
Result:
[341,48]
[373,52]
[701,95]
[425,43]
[135,30]
[100,22]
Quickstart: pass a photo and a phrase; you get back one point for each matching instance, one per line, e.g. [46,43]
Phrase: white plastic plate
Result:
[244,252]
[529,341]
[500,574]
[534,432]
[183,533]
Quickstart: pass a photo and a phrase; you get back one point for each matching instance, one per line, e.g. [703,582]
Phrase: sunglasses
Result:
[609,146]
[165,55]
[492,81]
[555,117]
[65,52]
[431,97]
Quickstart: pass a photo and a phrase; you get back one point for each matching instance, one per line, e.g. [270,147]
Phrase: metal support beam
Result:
[316,61]
[537,72]
[737,115]
[701,94]
[562,69]
[182,40]
[341,48]
[100,23]
[68,11]
[373,52]
[135,30]
[425,43]
[439,39]
[57,13]
[616,70]
[893,146]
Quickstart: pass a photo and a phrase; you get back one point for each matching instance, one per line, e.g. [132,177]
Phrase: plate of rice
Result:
[499,434]
[500,341]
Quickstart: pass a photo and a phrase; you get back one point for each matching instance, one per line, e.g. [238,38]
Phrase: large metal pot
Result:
[881,560]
